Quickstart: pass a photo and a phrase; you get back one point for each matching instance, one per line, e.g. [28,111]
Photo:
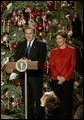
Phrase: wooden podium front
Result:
[31,65]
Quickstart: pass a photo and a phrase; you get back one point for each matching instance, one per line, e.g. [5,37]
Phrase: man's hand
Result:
[24,58]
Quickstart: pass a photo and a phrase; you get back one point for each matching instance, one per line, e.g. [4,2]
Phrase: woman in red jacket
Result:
[62,66]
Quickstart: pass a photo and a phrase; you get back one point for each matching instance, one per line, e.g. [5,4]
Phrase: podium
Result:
[22,65]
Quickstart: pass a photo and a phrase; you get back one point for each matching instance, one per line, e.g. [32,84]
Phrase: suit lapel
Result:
[24,45]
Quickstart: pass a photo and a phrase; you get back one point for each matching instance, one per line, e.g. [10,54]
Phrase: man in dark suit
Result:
[36,52]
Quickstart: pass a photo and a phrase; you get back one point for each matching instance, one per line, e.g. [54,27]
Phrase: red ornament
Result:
[40,28]
[36,13]
[14,45]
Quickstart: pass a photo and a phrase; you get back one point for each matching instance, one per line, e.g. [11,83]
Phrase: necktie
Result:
[28,48]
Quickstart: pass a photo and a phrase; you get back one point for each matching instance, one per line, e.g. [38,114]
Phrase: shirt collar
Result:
[31,42]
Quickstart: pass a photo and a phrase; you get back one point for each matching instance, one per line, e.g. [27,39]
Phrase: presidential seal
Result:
[21,65]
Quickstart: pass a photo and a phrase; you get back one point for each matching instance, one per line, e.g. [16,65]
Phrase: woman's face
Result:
[60,40]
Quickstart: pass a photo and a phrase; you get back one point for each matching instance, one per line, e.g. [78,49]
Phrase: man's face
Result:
[29,34]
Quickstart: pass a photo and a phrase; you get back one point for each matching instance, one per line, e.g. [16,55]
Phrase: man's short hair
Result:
[31,27]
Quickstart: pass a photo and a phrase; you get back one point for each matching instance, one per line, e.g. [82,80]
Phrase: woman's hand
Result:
[61,80]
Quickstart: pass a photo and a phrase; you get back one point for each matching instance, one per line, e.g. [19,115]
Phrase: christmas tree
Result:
[47,17]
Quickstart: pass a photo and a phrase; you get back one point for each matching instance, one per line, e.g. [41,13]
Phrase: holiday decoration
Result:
[40,28]
[14,45]
[51,5]
[36,13]
[3,5]
[9,71]
[76,84]
[13,76]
